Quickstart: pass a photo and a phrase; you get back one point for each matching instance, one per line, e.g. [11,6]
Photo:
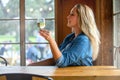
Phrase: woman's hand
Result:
[46,34]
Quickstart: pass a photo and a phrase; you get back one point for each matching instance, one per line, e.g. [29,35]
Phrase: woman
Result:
[80,47]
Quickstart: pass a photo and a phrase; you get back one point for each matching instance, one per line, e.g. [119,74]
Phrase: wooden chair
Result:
[23,76]
[3,61]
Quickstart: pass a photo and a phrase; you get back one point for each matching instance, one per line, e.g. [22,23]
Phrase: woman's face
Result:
[72,18]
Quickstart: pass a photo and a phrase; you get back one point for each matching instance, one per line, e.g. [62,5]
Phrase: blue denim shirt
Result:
[75,52]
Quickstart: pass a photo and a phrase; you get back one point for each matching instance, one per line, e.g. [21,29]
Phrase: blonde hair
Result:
[88,26]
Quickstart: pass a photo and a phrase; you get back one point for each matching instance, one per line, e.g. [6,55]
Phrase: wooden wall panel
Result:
[107,29]
[105,22]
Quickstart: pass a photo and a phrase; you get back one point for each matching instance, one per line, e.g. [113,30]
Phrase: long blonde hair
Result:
[88,26]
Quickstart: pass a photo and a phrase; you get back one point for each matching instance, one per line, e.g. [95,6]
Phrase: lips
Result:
[68,24]
[69,21]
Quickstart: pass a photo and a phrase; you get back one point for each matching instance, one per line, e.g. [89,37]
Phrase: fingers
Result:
[44,31]
[45,34]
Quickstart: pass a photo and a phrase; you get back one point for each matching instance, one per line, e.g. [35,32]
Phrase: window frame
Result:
[22,24]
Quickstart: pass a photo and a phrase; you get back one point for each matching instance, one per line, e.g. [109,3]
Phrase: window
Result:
[20,42]
[116,17]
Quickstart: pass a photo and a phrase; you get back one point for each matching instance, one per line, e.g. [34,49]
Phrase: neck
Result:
[77,31]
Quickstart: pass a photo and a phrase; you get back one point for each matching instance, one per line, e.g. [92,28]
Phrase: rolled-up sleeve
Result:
[59,61]
[78,53]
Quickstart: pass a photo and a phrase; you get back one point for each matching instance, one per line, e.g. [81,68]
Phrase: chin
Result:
[68,25]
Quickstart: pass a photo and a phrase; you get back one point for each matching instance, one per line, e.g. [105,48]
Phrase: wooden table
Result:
[68,73]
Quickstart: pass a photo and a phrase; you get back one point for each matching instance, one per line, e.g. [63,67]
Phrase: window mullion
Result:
[22,33]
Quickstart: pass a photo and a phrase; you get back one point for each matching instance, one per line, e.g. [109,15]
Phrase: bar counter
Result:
[68,73]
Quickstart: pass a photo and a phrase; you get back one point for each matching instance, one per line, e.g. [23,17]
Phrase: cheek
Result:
[75,21]
[72,22]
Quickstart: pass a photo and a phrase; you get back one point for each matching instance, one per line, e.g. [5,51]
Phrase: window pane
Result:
[39,8]
[32,31]
[37,52]
[117,29]
[116,6]
[37,48]
[9,9]
[11,52]
[116,17]
[9,31]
